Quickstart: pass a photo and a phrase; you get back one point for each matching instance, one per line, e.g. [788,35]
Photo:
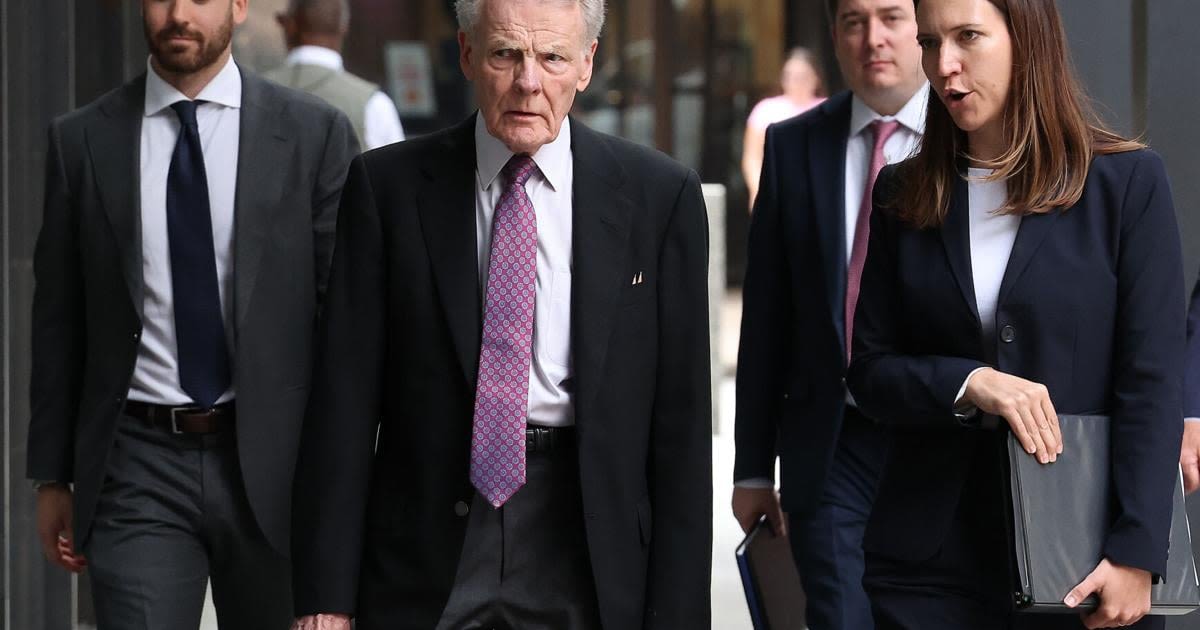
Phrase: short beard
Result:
[187,63]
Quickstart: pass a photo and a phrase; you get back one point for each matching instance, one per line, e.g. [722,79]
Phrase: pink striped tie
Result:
[506,347]
[881,130]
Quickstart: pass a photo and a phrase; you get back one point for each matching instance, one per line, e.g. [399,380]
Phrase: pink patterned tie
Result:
[881,130]
[506,348]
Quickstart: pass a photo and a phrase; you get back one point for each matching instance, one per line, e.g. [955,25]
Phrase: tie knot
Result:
[186,110]
[883,129]
[518,169]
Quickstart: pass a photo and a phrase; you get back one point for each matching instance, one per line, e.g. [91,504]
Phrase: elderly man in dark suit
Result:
[518,306]
[185,246]
[807,248]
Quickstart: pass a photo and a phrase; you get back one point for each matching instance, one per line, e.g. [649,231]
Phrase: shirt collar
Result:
[316,56]
[225,89]
[553,159]
[911,116]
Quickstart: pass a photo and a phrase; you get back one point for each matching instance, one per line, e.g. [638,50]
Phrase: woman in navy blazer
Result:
[1046,279]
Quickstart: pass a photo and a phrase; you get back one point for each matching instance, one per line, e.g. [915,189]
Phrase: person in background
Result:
[805,256]
[518,309]
[314,31]
[1025,263]
[803,88]
[183,253]
[1189,457]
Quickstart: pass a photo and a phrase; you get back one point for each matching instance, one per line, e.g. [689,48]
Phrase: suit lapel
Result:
[827,161]
[601,222]
[1031,233]
[114,149]
[956,237]
[262,168]
[446,207]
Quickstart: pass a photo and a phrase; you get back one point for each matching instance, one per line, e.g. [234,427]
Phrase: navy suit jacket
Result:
[791,361]
[1091,305]
[1191,378]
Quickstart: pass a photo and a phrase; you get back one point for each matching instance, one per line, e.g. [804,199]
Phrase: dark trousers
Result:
[172,514]
[525,566]
[969,583]
[827,545]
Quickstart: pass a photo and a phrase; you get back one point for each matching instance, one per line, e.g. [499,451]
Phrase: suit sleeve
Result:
[333,470]
[680,470]
[766,318]
[1147,366]
[59,333]
[341,145]
[1191,379]
[891,381]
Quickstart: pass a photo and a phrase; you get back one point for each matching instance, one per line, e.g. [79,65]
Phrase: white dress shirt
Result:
[992,238]
[860,144]
[551,396]
[381,123]
[156,373]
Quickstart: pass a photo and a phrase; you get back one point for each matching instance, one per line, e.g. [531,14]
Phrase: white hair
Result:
[469,12]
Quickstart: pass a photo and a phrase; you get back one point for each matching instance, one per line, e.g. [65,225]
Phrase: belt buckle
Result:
[175,411]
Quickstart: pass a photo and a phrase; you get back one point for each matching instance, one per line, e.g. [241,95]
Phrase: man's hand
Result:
[54,514]
[1025,405]
[322,622]
[751,503]
[1189,455]
[1124,595]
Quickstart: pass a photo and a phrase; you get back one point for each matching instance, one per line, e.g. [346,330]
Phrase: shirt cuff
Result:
[1191,419]
[755,483]
[963,409]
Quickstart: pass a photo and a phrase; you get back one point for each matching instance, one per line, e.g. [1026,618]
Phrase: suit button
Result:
[461,508]
[1008,334]
[137,335]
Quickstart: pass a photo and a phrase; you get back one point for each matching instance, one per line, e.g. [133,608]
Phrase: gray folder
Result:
[1061,515]
[773,592]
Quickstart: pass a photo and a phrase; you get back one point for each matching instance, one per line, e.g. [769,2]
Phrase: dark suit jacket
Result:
[293,155]
[1091,306]
[1191,379]
[790,390]
[376,533]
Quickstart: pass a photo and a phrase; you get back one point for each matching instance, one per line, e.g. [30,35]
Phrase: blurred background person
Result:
[807,246]
[1025,263]
[1189,456]
[803,88]
[314,31]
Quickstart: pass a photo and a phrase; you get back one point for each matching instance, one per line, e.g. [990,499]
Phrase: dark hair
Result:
[1052,132]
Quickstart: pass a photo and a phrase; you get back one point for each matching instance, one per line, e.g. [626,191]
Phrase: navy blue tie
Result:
[199,327]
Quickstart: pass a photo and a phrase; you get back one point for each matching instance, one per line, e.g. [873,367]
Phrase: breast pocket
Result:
[554,323]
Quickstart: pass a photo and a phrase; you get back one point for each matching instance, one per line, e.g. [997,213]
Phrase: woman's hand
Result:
[1124,595]
[1026,407]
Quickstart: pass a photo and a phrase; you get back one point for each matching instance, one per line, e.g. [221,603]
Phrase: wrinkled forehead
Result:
[561,21]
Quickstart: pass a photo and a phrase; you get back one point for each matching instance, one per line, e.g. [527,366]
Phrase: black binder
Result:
[773,592]
[1061,514]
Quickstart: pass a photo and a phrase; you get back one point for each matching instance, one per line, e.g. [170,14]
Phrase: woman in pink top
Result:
[803,87]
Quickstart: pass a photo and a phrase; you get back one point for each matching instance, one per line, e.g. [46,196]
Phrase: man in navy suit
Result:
[1189,457]
[806,253]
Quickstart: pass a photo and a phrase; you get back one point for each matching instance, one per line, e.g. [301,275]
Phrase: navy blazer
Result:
[790,390]
[1191,377]
[1091,305]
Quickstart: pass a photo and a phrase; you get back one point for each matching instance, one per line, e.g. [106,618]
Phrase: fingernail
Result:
[1031,450]
[1070,601]
[1043,458]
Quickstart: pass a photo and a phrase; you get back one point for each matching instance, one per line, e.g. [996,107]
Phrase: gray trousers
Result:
[172,514]
[525,566]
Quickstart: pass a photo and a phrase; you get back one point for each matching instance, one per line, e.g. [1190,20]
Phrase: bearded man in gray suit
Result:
[188,228]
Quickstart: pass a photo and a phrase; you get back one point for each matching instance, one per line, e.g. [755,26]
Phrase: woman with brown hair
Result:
[1025,263]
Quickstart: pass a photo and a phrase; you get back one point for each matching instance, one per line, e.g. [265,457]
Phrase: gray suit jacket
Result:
[293,158]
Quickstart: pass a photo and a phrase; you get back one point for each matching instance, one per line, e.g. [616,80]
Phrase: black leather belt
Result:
[540,439]
[192,420]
